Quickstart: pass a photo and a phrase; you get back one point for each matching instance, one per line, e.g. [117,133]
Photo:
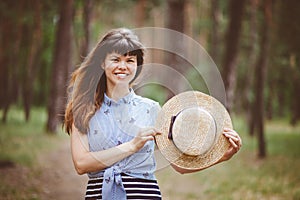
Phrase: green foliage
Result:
[245,176]
[22,142]
[118,13]
[195,79]
[153,91]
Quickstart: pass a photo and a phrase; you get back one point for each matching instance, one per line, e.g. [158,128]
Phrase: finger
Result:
[155,132]
[240,140]
[231,136]
[158,132]
[236,141]
[150,128]
[230,131]
[149,138]
[227,129]
[145,138]
[236,146]
[236,138]
[149,132]
[233,143]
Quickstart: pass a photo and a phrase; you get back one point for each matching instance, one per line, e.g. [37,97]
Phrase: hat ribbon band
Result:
[170,135]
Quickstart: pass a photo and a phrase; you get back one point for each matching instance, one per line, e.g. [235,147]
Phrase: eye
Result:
[115,60]
[131,60]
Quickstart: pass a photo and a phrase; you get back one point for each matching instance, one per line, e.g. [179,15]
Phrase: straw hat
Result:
[191,124]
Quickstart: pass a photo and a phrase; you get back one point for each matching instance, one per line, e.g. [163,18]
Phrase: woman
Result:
[104,118]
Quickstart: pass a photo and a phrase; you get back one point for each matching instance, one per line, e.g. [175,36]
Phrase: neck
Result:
[116,92]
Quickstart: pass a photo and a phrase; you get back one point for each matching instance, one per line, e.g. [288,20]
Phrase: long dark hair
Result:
[88,82]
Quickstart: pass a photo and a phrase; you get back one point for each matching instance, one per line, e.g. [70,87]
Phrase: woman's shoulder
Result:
[147,101]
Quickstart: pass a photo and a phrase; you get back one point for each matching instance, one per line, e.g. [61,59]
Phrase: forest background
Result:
[254,43]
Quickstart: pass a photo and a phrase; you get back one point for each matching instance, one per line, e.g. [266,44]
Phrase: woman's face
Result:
[119,69]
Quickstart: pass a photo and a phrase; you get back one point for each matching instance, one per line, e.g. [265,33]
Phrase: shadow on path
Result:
[58,177]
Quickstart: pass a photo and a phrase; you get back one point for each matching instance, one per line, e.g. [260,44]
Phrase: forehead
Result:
[114,54]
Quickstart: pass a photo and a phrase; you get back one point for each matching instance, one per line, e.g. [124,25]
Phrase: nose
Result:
[122,65]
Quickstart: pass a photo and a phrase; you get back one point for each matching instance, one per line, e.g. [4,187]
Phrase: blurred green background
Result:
[254,43]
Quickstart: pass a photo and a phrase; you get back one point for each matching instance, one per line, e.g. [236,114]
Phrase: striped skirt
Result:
[136,188]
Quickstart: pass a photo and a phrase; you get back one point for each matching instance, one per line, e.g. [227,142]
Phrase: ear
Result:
[103,65]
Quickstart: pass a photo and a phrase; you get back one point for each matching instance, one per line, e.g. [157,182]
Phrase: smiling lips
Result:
[121,75]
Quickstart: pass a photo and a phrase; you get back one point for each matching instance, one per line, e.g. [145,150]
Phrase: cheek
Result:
[108,66]
[133,69]
[133,74]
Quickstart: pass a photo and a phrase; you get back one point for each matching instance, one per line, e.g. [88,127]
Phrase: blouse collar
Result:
[126,99]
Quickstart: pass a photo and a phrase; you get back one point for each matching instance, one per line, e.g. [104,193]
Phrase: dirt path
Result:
[59,179]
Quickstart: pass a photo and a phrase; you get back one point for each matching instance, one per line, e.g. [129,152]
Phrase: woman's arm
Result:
[235,145]
[86,161]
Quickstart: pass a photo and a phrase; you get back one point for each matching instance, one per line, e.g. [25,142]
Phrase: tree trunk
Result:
[215,32]
[61,62]
[288,34]
[251,67]
[295,107]
[236,9]
[6,38]
[269,102]
[140,10]
[175,15]
[295,103]
[30,72]
[3,65]
[87,16]
[215,44]
[175,22]
[260,74]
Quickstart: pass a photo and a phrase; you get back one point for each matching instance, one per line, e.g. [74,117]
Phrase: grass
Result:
[21,144]
[245,176]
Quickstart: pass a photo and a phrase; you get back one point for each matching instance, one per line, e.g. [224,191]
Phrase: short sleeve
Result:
[154,112]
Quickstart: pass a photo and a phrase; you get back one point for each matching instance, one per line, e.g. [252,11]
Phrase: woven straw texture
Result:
[191,160]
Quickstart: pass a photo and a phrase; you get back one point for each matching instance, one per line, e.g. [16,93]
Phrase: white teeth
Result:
[121,75]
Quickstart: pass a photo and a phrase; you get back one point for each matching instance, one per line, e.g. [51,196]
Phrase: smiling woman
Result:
[104,117]
[112,129]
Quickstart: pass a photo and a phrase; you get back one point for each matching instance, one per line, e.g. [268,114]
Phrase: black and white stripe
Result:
[136,188]
[94,189]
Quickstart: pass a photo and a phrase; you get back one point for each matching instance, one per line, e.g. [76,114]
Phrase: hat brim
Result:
[168,148]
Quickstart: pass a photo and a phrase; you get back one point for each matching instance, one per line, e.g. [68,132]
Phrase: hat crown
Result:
[194,131]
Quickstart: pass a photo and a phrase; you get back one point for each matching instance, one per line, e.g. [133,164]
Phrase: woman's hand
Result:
[235,143]
[144,135]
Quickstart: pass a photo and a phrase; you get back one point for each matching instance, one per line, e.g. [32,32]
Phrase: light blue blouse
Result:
[118,122]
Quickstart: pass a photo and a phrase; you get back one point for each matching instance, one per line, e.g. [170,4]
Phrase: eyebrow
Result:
[118,56]
[131,57]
